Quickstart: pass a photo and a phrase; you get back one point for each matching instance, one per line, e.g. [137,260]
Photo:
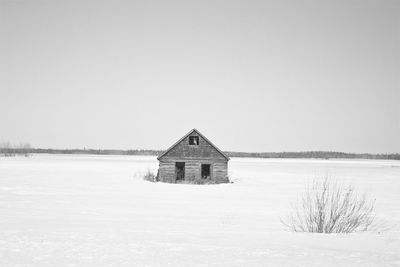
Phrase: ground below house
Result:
[85,210]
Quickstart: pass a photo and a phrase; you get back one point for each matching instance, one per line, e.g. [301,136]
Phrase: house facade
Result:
[193,159]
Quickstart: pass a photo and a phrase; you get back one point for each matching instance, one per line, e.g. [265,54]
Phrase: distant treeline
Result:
[314,155]
[10,150]
[141,152]
[26,149]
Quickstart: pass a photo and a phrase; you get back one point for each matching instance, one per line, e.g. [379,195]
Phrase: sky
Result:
[250,75]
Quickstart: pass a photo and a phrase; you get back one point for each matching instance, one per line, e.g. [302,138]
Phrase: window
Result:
[193,140]
[205,171]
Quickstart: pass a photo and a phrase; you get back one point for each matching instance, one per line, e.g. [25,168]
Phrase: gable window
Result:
[193,140]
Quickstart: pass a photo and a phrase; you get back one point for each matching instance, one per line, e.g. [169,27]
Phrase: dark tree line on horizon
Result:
[315,154]
[7,149]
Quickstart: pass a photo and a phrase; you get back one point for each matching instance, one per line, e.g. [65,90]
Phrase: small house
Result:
[193,159]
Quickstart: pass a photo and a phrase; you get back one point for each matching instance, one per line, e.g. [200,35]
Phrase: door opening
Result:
[180,170]
[205,171]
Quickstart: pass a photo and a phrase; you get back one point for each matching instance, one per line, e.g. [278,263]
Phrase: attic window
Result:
[193,140]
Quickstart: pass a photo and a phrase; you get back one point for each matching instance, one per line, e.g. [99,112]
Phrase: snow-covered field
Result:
[69,210]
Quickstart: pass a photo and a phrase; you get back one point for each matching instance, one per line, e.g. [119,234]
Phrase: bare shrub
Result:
[149,176]
[202,181]
[331,207]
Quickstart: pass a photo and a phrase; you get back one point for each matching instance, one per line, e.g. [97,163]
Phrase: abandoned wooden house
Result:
[193,159]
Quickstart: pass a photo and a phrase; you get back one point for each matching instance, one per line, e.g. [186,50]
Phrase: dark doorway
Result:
[205,171]
[180,170]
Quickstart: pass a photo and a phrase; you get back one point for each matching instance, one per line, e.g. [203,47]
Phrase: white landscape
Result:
[82,210]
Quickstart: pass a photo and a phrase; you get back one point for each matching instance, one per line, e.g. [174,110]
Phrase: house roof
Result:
[186,135]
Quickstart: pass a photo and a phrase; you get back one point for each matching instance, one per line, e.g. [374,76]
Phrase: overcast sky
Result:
[250,75]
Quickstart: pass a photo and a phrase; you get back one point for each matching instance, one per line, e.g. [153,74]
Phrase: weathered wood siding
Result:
[218,170]
[166,172]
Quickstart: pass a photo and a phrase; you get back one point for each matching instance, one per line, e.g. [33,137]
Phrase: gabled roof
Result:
[186,135]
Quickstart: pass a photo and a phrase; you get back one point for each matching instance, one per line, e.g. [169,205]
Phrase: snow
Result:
[81,210]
